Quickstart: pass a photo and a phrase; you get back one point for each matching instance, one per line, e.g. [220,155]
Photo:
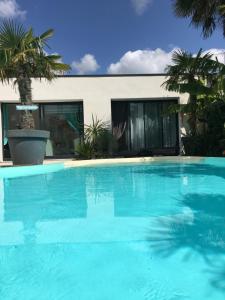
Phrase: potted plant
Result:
[23,58]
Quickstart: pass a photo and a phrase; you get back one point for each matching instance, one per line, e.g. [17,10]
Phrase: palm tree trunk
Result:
[25,91]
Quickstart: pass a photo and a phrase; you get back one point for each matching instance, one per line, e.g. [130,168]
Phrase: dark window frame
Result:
[41,116]
[160,100]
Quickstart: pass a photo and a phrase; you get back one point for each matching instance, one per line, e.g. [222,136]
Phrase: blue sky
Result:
[112,36]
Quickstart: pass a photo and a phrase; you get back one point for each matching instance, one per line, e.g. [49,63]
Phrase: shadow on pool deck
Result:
[203,233]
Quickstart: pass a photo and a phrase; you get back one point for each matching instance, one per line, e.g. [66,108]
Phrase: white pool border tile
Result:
[111,161]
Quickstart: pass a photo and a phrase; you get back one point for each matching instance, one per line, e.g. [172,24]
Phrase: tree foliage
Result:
[204,80]
[23,56]
[207,14]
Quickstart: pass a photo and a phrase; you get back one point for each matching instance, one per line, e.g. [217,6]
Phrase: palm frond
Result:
[196,75]
[23,52]
[47,34]
[206,14]
[11,35]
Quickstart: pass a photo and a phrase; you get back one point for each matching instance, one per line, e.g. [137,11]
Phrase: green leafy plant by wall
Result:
[98,141]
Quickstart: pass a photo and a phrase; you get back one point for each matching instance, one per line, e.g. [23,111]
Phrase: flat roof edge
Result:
[115,75]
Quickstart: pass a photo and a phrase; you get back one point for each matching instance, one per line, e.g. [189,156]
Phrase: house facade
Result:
[134,103]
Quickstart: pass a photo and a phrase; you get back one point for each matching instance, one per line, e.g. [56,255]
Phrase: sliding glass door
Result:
[65,123]
[63,120]
[149,128]
[169,123]
[137,125]
[153,125]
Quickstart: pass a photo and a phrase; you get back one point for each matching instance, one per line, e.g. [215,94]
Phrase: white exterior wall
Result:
[1,142]
[95,92]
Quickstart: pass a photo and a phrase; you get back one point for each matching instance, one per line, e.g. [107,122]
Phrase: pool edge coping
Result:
[112,161]
[49,166]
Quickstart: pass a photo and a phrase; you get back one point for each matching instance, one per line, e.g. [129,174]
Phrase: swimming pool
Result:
[138,231]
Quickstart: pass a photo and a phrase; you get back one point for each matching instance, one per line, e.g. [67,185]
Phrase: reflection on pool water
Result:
[138,232]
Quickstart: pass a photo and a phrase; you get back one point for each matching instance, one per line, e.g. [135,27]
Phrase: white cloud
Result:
[87,64]
[142,61]
[152,61]
[11,9]
[140,6]
[217,54]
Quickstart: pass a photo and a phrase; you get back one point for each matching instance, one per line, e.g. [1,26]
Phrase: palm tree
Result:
[23,57]
[192,75]
[207,14]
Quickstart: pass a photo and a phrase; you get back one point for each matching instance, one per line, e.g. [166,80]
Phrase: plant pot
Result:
[27,146]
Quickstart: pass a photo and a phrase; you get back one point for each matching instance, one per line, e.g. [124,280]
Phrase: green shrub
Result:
[85,150]
[98,142]
[203,145]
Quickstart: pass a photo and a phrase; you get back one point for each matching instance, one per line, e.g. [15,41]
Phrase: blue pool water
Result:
[137,232]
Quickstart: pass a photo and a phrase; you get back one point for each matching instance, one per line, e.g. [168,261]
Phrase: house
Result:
[134,103]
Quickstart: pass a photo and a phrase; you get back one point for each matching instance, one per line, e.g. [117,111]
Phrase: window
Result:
[149,129]
[63,120]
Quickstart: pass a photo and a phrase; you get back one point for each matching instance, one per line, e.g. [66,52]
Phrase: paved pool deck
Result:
[69,163]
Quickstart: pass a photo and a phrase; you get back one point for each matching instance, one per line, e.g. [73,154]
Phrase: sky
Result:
[112,36]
